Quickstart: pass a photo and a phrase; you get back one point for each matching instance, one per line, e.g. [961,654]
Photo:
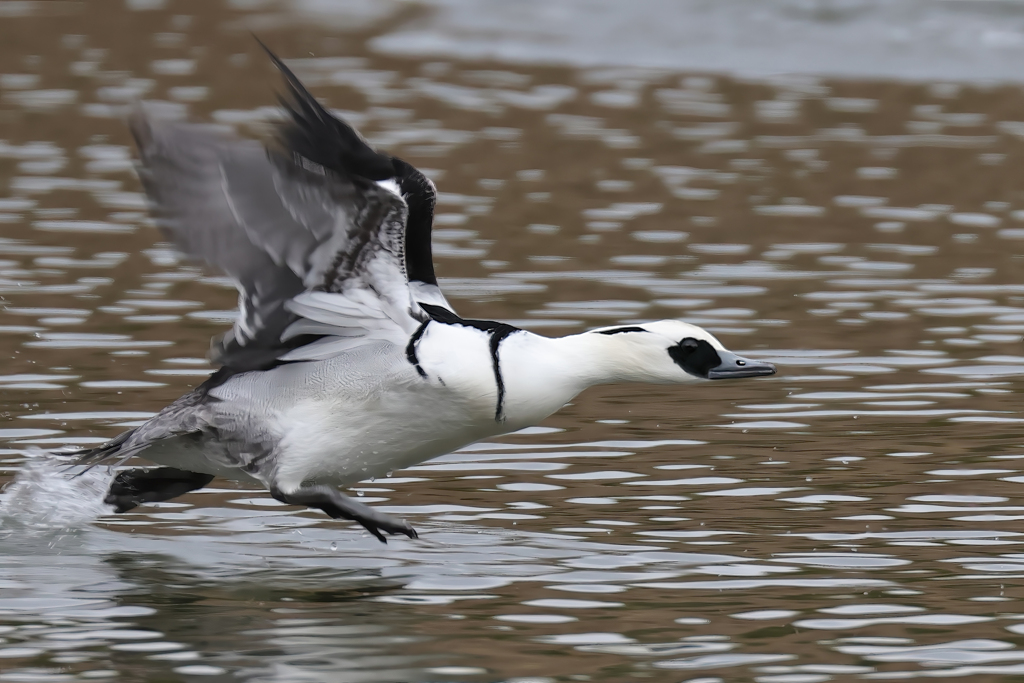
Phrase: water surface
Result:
[856,517]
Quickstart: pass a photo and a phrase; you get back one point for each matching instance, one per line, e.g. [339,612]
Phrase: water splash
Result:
[47,494]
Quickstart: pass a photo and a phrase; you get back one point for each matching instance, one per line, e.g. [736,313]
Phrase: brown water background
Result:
[856,517]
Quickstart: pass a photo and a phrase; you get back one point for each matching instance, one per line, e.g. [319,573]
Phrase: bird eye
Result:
[695,357]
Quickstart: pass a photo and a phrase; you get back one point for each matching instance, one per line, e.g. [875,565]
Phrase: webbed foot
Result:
[340,506]
[133,487]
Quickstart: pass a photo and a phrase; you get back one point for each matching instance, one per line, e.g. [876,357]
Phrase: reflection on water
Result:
[855,517]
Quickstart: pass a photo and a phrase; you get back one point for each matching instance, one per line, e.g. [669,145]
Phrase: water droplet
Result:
[361,493]
[334,545]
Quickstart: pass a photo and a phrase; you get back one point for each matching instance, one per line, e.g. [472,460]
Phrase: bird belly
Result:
[335,442]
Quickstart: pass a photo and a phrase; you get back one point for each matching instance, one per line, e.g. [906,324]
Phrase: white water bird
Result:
[346,362]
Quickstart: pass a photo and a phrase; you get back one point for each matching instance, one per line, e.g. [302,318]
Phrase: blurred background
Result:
[973,40]
[833,185]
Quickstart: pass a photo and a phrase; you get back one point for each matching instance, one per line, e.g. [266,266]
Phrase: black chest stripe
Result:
[410,349]
[497,335]
[497,331]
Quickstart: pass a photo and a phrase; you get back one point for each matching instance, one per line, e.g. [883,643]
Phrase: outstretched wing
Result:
[315,134]
[327,239]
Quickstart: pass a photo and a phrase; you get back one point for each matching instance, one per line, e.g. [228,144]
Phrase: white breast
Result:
[459,357]
[354,423]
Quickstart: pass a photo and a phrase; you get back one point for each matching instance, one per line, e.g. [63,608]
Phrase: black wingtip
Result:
[262,44]
[294,84]
[273,57]
[314,133]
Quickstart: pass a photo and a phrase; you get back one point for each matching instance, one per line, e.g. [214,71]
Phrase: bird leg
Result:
[340,506]
[132,487]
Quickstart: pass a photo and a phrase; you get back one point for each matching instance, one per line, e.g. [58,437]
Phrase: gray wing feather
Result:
[283,229]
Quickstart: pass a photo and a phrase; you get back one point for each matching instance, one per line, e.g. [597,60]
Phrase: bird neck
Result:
[592,358]
[541,374]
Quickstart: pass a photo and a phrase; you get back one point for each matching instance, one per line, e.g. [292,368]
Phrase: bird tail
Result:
[90,457]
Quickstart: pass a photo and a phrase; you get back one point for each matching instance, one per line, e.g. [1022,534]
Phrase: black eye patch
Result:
[696,357]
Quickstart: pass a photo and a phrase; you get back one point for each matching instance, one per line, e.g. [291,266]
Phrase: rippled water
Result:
[856,517]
